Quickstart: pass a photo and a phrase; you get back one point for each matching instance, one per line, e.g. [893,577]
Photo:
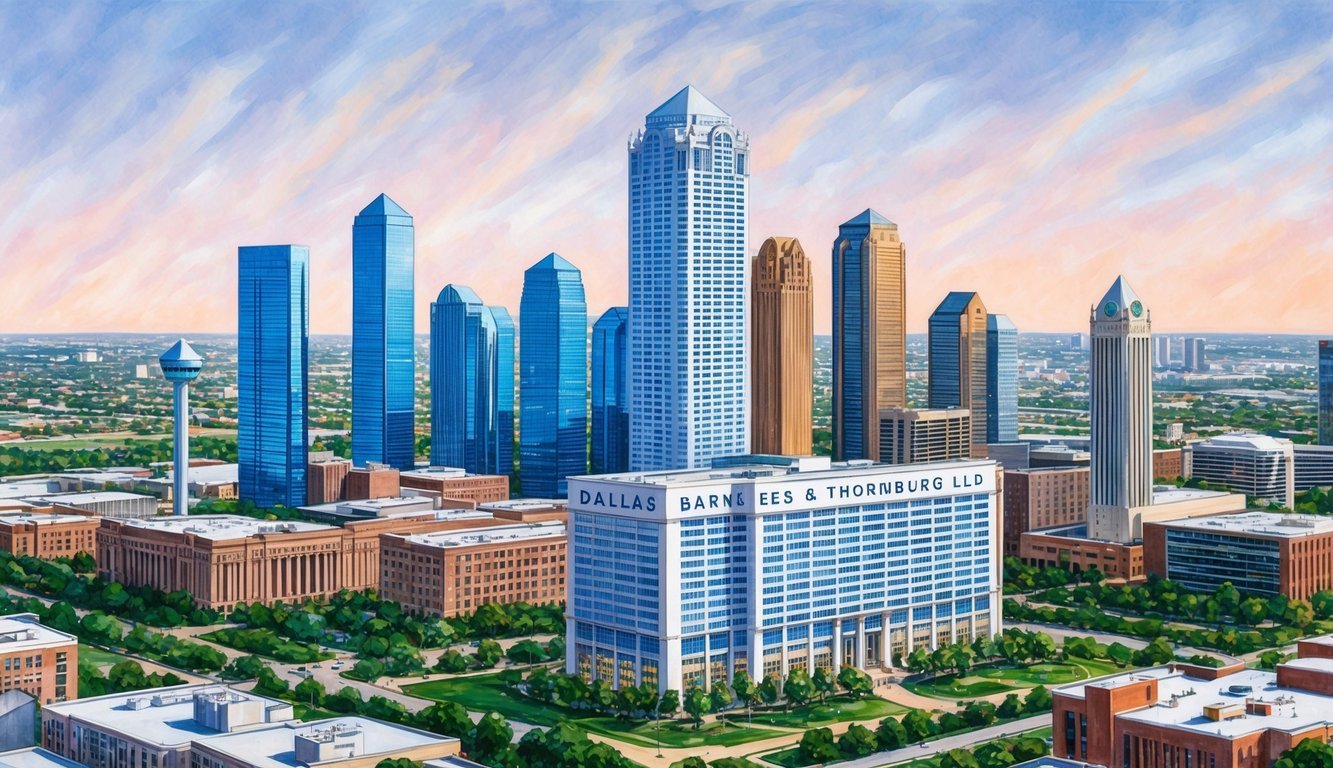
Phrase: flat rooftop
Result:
[224,527]
[1294,709]
[22,632]
[27,490]
[212,473]
[435,472]
[526,505]
[1244,441]
[272,746]
[12,517]
[500,534]
[169,723]
[778,473]
[1169,494]
[95,497]
[1259,523]
[35,757]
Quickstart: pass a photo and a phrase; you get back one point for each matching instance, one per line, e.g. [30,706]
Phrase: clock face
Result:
[1110,309]
[1136,308]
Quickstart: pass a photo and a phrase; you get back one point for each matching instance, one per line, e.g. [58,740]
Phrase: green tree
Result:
[768,689]
[669,704]
[1038,700]
[958,758]
[1120,653]
[1311,753]
[817,746]
[526,652]
[696,705]
[824,682]
[890,734]
[1010,708]
[270,684]
[720,696]
[451,662]
[489,737]
[1252,611]
[488,653]
[448,718]
[745,689]
[856,682]
[244,668]
[798,688]
[309,691]
[857,741]
[917,725]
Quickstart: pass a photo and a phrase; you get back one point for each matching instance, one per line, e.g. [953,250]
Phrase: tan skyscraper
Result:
[869,332]
[782,363]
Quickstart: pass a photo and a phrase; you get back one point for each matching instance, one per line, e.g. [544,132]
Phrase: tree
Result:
[1038,700]
[690,762]
[745,689]
[919,660]
[269,683]
[451,662]
[824,683]
[856,682]
[958,758]
[696,705]
[1010,708]
[447,718]
[890,734]
[768,689]
[244,668]
[1300,613]
[817,746]
[978,713]
[309,691]
[1156,652]
[720,696]
[1310,753]
[1252,611]
[1120,653]
[489,736]
[798,688]
[396,762]
[857,741]
[488,653]
[669,704]
[526,652]
[917,725]
[97,627]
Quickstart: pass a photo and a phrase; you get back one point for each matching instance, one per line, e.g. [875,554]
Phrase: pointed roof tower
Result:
[1119,300]
[383,206]
[869,218]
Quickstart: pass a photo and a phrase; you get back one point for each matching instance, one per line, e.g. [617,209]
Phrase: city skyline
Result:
[1178,120]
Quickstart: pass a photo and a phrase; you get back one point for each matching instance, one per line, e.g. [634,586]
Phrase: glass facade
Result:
[502,453]
[1001,380]
[1202,560]
[462,381]
[553,378]
[273,313]
[382,336]
[610,407]
[689,285]
[1326,392]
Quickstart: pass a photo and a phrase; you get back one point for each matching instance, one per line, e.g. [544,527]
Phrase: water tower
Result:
[180,366]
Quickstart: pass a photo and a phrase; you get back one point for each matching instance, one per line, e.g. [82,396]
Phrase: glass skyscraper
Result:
[957,360]
[689,181]
[553,378]
[273,311]
[382,343]
[1001,380]
[502,459]
[1326,392]
[462,381]
[610,408]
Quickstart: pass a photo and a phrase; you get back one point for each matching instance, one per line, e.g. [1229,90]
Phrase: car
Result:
[318,666]
[336,665]
[300,669]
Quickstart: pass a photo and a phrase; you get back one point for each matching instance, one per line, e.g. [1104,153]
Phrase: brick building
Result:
[1261,553]
[374,481]
[1186,716]
[325,478]
[527,510]
[1042,498]
[455,487]
[448,573]
[38,660]
[42,533]
[1167,464]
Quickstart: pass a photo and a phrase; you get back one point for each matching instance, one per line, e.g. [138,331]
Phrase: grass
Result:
[791,757]
[676,733]
[485,693]
[98,656]
[1003,678]
[787,758]
[837,710]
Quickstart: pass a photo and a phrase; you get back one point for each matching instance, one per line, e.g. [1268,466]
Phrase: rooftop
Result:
[383,206]
[93,497]
[35,757]
[180,352]
[162,716]
[435,472]
[272,746]
[1121,295]
[20,517]
[1169,494]
[212,473]
[1294,709]
[869,218]
[500,534]
[761,472]
[1245,441]
[688,101]
[458,294]
[955,302]
[1287,526]
[526,505]
[22,631]
[224,527]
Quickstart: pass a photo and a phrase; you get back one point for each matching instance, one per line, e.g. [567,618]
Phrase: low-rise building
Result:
[103,504]
[325,478]
[1258,466]
[35,757]
[373,481]
[1260,553]
[455,487]
[1042,498]
[1313,467]
[451,572]
[1167,464]
[1186,716]
[924,435]
[345,742]
[37,660]
[527,510]
[42,532]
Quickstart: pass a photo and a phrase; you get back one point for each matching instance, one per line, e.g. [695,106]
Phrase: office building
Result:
[744,571]
[956,354]
[156,726]
[326,478]
[101,503]
[340,742]
[1167,464]
[869,332]
[1079,342]
[1120,380]
[553,377]
[448,573]
[1202,717]
[47,534]
[689,390]
[455,487]
[38,660]
[222,560]
[1042,498]
[1260,553]
[502,454]
[272,363]
[373,481]
[782,349]
[463,372]
[610,392]
[1258,466]
[1313,465]
[1161,351]
[383,349]
[1325,402]
[180,365]
[924,435]
[1001,380]
[1195,359]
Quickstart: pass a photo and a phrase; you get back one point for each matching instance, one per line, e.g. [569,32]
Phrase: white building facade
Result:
[689,181]
[678,579]
[1259,466]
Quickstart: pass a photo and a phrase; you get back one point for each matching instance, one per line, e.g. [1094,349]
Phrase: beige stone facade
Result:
[782,349]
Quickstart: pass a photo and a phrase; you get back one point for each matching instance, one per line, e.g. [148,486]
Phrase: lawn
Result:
[837,710]
[98,656]
[791,757]
[1003,678]
[676,733]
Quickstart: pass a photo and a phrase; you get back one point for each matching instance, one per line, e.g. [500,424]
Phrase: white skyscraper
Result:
[1121,412]
[688,285]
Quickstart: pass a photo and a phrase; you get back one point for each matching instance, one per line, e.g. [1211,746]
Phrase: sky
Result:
[1029,151]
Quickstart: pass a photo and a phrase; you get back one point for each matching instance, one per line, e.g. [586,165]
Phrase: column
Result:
[837,645]
[861,642]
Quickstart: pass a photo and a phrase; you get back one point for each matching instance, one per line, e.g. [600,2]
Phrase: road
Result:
[931,748]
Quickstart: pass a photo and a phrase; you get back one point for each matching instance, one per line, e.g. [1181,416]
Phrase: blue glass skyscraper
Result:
[957,360]
[382,343]
[273,311]
[502,459]
[553,378]
[689,390]
[1001,380]
[610,406]
[462,381]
